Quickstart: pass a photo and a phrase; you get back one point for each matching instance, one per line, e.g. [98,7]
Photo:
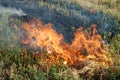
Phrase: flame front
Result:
[85,45]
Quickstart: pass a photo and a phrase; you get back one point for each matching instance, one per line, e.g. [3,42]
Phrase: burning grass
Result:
[20,64]
[46,56]
[85,45]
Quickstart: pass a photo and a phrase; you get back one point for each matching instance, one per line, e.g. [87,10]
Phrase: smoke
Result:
[11,11]
[64,15]
[10,31]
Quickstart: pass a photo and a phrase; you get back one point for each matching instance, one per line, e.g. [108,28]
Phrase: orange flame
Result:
[85,45]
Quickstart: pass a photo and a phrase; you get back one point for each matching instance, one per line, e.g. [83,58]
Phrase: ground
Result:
[20,62]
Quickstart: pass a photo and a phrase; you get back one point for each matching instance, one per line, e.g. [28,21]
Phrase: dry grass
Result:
[101,5]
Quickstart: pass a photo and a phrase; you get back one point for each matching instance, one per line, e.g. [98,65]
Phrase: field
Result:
[60,40]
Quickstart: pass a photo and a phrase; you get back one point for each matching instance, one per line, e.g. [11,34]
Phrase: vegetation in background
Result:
[19,64]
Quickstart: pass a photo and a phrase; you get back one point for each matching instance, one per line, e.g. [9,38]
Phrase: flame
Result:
[85,45]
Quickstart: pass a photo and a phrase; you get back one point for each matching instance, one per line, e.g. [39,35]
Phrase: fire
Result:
[85,45]
[65,62]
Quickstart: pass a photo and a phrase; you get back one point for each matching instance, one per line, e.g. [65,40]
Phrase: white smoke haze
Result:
[9,32]
[11,11]
[63,23]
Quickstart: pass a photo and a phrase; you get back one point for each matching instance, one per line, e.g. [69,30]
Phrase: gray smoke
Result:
[11,11]
[9,27]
